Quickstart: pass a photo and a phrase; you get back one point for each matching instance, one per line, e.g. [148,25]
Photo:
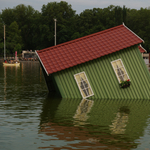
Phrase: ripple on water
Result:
[32,119]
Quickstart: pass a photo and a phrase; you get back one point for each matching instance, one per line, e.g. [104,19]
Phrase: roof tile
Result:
[87,48]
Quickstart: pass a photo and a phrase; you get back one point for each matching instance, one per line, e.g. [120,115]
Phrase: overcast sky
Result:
[78,5]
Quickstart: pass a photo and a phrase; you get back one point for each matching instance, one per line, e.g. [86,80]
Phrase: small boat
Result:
[11,64]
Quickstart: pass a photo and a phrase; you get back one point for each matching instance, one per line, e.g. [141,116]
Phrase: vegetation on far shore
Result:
[29,29]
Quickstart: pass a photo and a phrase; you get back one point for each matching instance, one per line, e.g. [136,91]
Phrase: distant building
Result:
[95,65]
[28,54]
[144,53]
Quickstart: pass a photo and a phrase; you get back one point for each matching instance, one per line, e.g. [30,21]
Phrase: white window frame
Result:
[122,67]
[87,82]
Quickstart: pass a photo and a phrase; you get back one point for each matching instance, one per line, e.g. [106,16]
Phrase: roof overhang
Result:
[143,48]
[41,63]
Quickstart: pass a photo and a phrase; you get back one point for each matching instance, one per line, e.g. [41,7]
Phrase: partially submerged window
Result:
[120,70]
[83,84]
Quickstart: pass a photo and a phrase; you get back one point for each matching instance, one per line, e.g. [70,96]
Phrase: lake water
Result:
[32,119]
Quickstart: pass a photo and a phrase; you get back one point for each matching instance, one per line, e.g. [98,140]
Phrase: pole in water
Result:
[4,45]
[55,30]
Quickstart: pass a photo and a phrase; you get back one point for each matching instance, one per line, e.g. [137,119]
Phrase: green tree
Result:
[65,23]
[13,38]
[1,39]
[95,20]
[139,22]
[124,13]
[118,15]
[25,17]
[37,29]
[7,16]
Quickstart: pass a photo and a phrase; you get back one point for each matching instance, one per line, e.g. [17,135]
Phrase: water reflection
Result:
[104,123]
[82,111]
[31,119]
[21,97]
[5,83]
[23,80]
[120,121]
[10,73]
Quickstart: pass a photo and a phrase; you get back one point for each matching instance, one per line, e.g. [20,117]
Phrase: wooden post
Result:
[55,30]
[149,58]
[4,45]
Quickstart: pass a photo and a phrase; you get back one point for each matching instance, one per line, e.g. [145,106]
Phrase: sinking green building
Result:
[95,66]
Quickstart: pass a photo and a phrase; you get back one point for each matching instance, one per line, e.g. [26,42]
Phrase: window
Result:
[83,85]
[120,70]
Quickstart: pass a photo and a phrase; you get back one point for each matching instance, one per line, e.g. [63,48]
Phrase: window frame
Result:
[87,82]
[123,68]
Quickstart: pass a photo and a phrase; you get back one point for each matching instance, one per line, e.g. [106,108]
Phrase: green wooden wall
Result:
[103,80]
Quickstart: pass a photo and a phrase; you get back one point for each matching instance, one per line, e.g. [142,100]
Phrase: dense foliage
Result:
[27,28]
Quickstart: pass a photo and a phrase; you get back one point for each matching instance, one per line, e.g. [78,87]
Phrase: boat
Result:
[11,64]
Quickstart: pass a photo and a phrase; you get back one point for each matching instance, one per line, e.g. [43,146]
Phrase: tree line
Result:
[29,29]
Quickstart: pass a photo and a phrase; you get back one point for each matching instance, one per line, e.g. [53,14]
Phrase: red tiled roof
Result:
[87,48]
[142,50]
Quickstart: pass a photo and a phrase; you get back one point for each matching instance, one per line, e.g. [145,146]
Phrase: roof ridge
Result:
[81,38]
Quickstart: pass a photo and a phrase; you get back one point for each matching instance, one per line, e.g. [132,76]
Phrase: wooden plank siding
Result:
[103,80]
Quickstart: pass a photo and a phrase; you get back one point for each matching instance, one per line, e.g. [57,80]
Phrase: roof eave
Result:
[143,48]
[42,63]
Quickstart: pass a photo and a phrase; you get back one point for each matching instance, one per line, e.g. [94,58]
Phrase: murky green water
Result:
[32,119]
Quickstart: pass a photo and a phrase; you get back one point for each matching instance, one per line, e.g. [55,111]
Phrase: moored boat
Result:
[11,64]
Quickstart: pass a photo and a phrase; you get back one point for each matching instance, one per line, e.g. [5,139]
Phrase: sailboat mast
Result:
[4,45]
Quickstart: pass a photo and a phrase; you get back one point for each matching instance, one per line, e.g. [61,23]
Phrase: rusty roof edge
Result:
[42,63]
[133,32]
